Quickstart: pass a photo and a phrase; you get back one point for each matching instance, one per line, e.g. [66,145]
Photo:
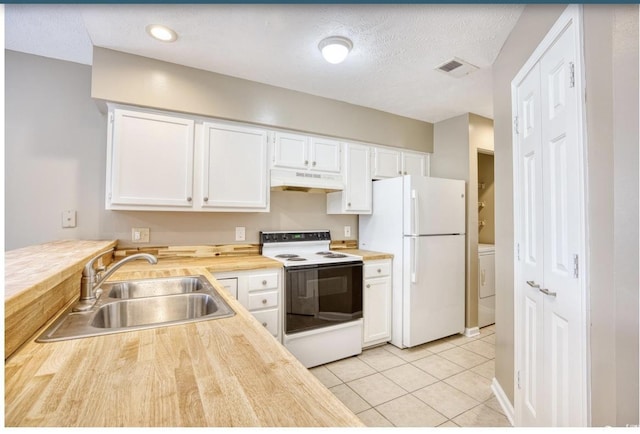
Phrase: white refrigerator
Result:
[421,221]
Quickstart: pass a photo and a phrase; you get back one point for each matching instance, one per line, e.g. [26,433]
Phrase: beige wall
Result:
[54,151]
[486,233]
[130,79]
[611,70]
[611,55]
[455,157]
[55,154]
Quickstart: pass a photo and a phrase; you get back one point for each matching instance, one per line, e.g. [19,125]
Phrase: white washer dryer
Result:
[486,285]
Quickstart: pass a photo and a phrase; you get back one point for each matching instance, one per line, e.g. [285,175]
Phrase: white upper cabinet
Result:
[295,151]
[356,196]
[150,160]
[157,162]
[234,168]
[325,155]
[415,163]
[388,162]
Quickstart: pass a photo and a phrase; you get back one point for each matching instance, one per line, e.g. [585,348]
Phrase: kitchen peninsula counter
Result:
[222,372]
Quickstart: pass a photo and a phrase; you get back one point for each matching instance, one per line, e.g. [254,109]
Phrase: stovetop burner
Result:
[302,249]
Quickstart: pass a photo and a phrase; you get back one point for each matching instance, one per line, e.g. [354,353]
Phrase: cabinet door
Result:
[291,151]
[376,311]
[151,160]
[235,170]
[386,163]
[325,155]
[358,179]
[414,164]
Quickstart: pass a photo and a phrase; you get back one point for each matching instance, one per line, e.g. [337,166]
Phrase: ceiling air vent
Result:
[456,68]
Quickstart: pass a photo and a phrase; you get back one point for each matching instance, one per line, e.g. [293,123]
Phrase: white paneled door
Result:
[551,385]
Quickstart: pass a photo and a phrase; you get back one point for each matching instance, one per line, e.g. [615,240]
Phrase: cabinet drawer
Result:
[269,320]
[262,300]
[263,281]
[379,269]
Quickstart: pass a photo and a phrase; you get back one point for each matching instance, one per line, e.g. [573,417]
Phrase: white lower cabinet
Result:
[260,292]
[376,302]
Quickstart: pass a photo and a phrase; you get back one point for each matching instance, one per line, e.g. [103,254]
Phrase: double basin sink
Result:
[141,304]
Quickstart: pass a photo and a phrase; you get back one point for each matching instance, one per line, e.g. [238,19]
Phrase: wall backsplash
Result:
[289,211]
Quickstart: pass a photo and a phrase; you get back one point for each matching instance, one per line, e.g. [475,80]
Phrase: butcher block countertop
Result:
[222,372]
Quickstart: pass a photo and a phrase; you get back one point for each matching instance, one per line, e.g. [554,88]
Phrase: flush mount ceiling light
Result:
[161,33]
[335,48]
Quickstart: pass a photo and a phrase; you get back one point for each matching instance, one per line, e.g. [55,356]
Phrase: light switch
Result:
[69,218]
[240,235]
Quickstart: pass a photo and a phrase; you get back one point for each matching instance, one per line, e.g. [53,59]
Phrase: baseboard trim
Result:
[503,401]
[473,331]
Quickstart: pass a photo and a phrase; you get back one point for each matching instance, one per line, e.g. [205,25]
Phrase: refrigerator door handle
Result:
[414,262]
[415,217]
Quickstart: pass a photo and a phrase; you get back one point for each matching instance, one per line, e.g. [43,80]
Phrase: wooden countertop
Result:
[32,269]
[225,372]
[368,255]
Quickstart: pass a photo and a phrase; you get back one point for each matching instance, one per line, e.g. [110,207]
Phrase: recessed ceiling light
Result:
[161,33]
[335,48]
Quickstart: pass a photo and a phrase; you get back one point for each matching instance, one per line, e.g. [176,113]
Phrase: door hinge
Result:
[575,266]
[110,118]
[518,380]
[572,74]
[515,125]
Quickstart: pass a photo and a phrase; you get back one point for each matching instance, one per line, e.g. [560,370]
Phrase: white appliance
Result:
[322,296]
[299,180]
[486,285]
[421,221]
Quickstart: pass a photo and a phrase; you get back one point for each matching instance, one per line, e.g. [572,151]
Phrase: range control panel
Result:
[287,237]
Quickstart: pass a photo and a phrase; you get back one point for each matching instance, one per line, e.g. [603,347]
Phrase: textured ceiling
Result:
[391,66]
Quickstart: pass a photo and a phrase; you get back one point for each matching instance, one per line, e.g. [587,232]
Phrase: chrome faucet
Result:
[91,281]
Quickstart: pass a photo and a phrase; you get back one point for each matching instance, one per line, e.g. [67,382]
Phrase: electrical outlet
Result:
[240,235]
[347,231]
[69,218]
[140,235]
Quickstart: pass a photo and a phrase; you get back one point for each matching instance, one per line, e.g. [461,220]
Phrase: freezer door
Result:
[433,282]
[433,206]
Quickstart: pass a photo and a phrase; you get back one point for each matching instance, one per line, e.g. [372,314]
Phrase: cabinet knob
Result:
[264,282]
[264,324]
[189,199]
[264,301]
[349,204]
[206,199]
[379,270]
[399,172]
[405,172]
[368,285]
[314,163]
[306,162]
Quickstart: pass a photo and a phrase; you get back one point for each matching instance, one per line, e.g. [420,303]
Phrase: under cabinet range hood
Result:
[308,182]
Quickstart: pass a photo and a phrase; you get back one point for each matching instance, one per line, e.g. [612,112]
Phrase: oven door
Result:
[322,295]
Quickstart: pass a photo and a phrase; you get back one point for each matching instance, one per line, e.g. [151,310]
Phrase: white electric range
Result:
[322,295]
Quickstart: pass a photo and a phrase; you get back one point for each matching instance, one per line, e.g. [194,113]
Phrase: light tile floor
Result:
[442,383]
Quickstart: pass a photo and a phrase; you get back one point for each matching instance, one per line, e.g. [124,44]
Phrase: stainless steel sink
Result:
[142,304]
[154,287]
